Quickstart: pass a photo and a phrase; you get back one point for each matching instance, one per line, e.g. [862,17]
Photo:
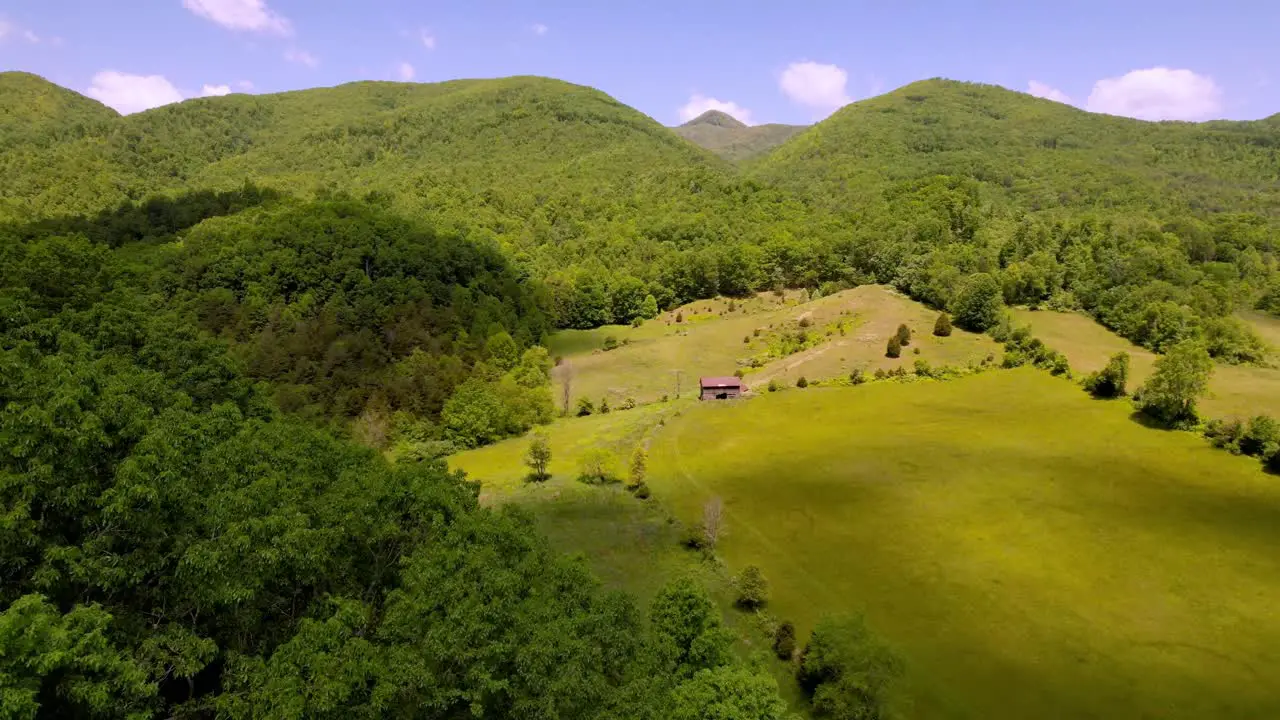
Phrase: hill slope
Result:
[35,111]
[733,139]
[1036,153]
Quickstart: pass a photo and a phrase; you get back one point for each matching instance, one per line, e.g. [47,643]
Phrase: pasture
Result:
[848,330]
[1030,551]
[1235,390]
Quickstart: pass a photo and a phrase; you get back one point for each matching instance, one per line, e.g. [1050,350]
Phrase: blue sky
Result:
[766,62]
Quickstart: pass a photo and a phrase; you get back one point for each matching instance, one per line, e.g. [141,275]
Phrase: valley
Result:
[377,400]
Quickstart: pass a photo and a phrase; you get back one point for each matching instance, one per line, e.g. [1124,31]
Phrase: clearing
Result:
[845,330]
[1235,390]
[1030,551]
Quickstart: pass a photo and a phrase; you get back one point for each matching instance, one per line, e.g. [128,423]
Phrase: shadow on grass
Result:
[1147,421]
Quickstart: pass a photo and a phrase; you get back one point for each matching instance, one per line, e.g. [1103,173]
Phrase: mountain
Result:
[1033,153]
[732,139]
[35,111]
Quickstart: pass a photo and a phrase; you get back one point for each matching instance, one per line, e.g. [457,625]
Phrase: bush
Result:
[784,641]
[846,671]
[585,407]
[680,317]
[773,385]
[1261,436]
[942,326]
[604,405]
[610,343]
[637,322]
[802,383]
[857,377]
[880,374]
[805,322]
[904,335]
[978,304]
[642,491]
[752,588]
[1181,378]
[1225,434]
[596,467]
[739,373]
[915,351]
[894,348]
[923,369]
[694,537]
[746,339]
[1110,381]
[538,457]
[755,333]
[628,404]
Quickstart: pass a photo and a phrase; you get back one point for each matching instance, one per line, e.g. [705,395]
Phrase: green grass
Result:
[1234,390]
[709,341]
[1031,552]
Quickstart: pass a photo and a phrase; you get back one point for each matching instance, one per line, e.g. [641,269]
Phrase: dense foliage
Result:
[173,545]
[847,672]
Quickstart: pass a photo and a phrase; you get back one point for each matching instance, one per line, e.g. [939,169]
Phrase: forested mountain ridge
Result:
[1036,154]
[733,139]
[33,110]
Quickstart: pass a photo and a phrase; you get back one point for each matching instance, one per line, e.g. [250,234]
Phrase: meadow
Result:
[1234,390]
[849,330]
[1031,552]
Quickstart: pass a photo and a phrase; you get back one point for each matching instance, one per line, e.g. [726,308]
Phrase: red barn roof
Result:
[721,382]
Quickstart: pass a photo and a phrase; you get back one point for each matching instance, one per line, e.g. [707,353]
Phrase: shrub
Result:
[604,405]
[904,335]
[773,385]
[642,491]
[538,457]
[755,333]
[1225,434]
[585,407]
[857,377]
[610,343]
[628,404]
[694,537]
[639,467]
[942,326]
[637,322]
[596,467]
[680,317]
[784,641]
[923,369]
[752,588]
[881,374]
[894,348]
[665,398]
[746,339]
[1110,381]
[1181,378]
[739,373]
[732,306]
[1261,436]
[915,351]
[805,322]
[846,671]
[802,383]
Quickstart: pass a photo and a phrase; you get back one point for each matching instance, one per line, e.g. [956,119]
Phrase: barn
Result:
[720,388]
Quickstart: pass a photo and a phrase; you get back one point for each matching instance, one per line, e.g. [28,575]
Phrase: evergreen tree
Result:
[894,347]
[942,327]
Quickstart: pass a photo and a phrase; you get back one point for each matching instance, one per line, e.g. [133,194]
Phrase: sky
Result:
[790,62]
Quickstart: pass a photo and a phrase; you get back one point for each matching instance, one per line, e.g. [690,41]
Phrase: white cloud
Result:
[1042,90]
[1157,94]
[7,29]
[699,104]
[405,71]
[428,40]
[301,57]
[215,90]
[132,93]
[253,15]
[819,86]
[539,29]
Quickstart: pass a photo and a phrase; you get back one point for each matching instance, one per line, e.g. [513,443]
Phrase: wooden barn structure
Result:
[720,388]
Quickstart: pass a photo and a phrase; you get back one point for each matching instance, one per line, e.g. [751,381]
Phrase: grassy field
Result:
[1241,390]
[1030,551]
[709,341]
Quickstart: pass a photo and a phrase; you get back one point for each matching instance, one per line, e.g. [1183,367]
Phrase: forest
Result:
[215,313]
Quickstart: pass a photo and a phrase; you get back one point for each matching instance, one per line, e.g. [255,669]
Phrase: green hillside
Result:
[732,139]
[34,111]
[1038,154]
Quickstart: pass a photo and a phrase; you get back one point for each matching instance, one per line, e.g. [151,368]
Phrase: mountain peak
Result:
[717,118]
